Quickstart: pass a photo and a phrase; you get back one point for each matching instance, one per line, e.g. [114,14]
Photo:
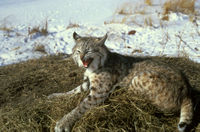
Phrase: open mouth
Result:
[87,62]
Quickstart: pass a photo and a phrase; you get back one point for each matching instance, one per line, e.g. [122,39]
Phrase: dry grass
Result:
[123,20]
[148,2]
[181,41]
[140,11]
[136,51]
[24,106]
[125,9]
[73,25]
[38,29]
[148,21]
[183,6]
[127,13]
[183,53]
[16,48]
[165,17]
[196,25]
[6,30]
[164,41]
[130,8]
[40,48]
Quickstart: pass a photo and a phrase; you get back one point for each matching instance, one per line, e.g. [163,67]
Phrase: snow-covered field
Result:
[178,36]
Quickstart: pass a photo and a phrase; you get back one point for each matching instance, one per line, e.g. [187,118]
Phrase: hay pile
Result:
[25,107]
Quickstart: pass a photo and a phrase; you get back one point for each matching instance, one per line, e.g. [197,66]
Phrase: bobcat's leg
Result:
[83,87]
[186,114]
[98,93]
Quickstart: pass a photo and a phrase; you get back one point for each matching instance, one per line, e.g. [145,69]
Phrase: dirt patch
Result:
[24,105]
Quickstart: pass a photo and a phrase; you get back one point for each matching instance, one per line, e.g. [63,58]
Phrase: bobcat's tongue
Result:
[86,63]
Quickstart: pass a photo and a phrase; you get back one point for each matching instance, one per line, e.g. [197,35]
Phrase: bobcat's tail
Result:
[196,101]
[196,108]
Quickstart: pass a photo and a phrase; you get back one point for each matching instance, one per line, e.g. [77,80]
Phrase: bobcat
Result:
[164,86]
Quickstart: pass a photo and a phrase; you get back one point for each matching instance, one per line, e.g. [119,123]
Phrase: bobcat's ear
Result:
[76,36]
[102,40]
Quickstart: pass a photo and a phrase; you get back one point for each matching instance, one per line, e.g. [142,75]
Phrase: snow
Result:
[177,37]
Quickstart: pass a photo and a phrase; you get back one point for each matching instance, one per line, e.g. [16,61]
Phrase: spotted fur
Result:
[164,86]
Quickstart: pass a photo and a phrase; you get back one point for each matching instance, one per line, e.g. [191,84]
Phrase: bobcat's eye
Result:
[89,51]
[78,51]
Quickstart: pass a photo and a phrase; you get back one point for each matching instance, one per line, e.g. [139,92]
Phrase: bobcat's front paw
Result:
[52,95]
[61,126]
[60,129]
[56,95]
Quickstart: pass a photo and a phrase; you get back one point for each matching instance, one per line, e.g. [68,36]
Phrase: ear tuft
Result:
[103,39]
[76,36]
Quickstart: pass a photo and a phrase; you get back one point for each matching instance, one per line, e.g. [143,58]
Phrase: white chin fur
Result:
[94,65]
[80,63]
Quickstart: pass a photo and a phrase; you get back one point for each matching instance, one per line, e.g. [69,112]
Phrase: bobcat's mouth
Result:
[87,62]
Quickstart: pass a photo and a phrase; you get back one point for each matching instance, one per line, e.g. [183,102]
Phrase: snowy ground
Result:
[177,37]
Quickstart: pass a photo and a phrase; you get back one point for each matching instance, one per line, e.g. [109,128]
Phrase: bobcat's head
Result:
[89,52]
